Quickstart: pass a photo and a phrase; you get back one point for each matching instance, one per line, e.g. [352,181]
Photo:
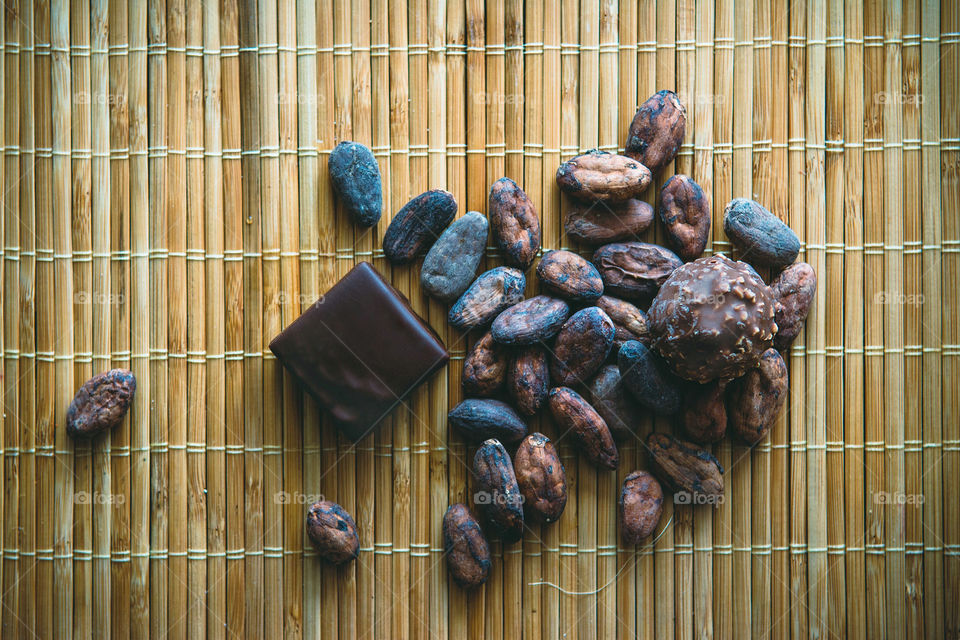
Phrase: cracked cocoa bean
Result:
[466,548]
[528,380]
[572,412]
[541,477]
[657,130]
[491,293]
[333,532]
[793,291]
[685,212]
[685,467]
[482,418]
[355,176]
[634,270]
[418,224]
[569,276]
[757,398]
[516,226]
[485,367]
[641,506]
[531,321]
[598,176]
[498,494]
[101,403]
[603,222]
[584,342]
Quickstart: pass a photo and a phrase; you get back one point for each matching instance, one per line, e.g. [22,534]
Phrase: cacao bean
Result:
[466,548]
[516,226]
[793,290]
[418,225]
[497,491]
[531,321]
[491,293]
[452,261]
[762,238]
[101,403]
[485,367]
[634,270]
[685,467]
[603,222]
[641,505]
[570,276]
[528,380]
[541,478]
[611,400]
[629,322]
[598,176]
[649,380]
[657,130]
[482,418]
[685,212]
[355,176]
[573,413]
[757,398]
[704,415]
[333,532]
[582,345]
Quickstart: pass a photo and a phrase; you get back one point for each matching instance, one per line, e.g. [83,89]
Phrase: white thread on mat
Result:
[613,579]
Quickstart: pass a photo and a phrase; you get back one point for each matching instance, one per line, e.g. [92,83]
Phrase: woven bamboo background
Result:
[166,208]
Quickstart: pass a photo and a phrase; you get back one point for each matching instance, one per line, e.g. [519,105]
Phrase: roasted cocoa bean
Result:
[541,478]
[685,212]
[491,293]
[485,367]
[101,403]
[355,176]
[481,418]
[582,345]
[418,224]
[704,416]
[762,238]
[649,380]
[466,548]
[757,398]
[611,400]
[570,276]
[598,176]
[629,322]
[498,494]
[641,505]
[603,222]
[793,290]
[573,413]
[683,466]
[528,380]
[531,321]
[333,532]
[516,226]
[452,261]
[634,270]
[657,130]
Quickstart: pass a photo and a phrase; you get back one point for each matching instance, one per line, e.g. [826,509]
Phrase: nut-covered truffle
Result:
[466,548]
[573,413]
[634,270]
[498,494]
[528,379]
[541,478]
[685,212]
[603,222]
[757,398]
[762,238]
[657,130]
[641,505]
[570,276]
[481,418]
[485,367]
[333,532]
[535,319]
[516,226]
[712,319]
[101,403]
[598,176]
[793,290]
[582,345]
[491,293]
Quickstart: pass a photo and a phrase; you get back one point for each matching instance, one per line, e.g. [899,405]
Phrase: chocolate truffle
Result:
[360,350]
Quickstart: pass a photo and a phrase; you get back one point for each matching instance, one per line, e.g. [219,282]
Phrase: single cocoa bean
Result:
[685,212]
[641,505]
[485,367]
[611,400]
[528,380]
[603,222]
[355,176]
[491,293]
[757,398]
[629,321]
[570,276]
[762,238]
[541,478]
[634,270]
[657,130]
[793,290]
[582,345]
[452,261]
[418,224]
[598,176]
[531,321]
[333,532]
[481,418]
[466,548]
[101,403]
[649,380]
[498,494]
[516,226]
[573,413]
[704,415]
[685,467]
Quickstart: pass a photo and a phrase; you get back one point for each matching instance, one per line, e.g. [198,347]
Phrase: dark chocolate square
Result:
[360,350]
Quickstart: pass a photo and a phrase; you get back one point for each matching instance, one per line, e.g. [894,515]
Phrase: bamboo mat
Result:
[166,208]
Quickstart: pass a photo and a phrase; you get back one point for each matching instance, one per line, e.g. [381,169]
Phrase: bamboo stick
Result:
[5,163]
